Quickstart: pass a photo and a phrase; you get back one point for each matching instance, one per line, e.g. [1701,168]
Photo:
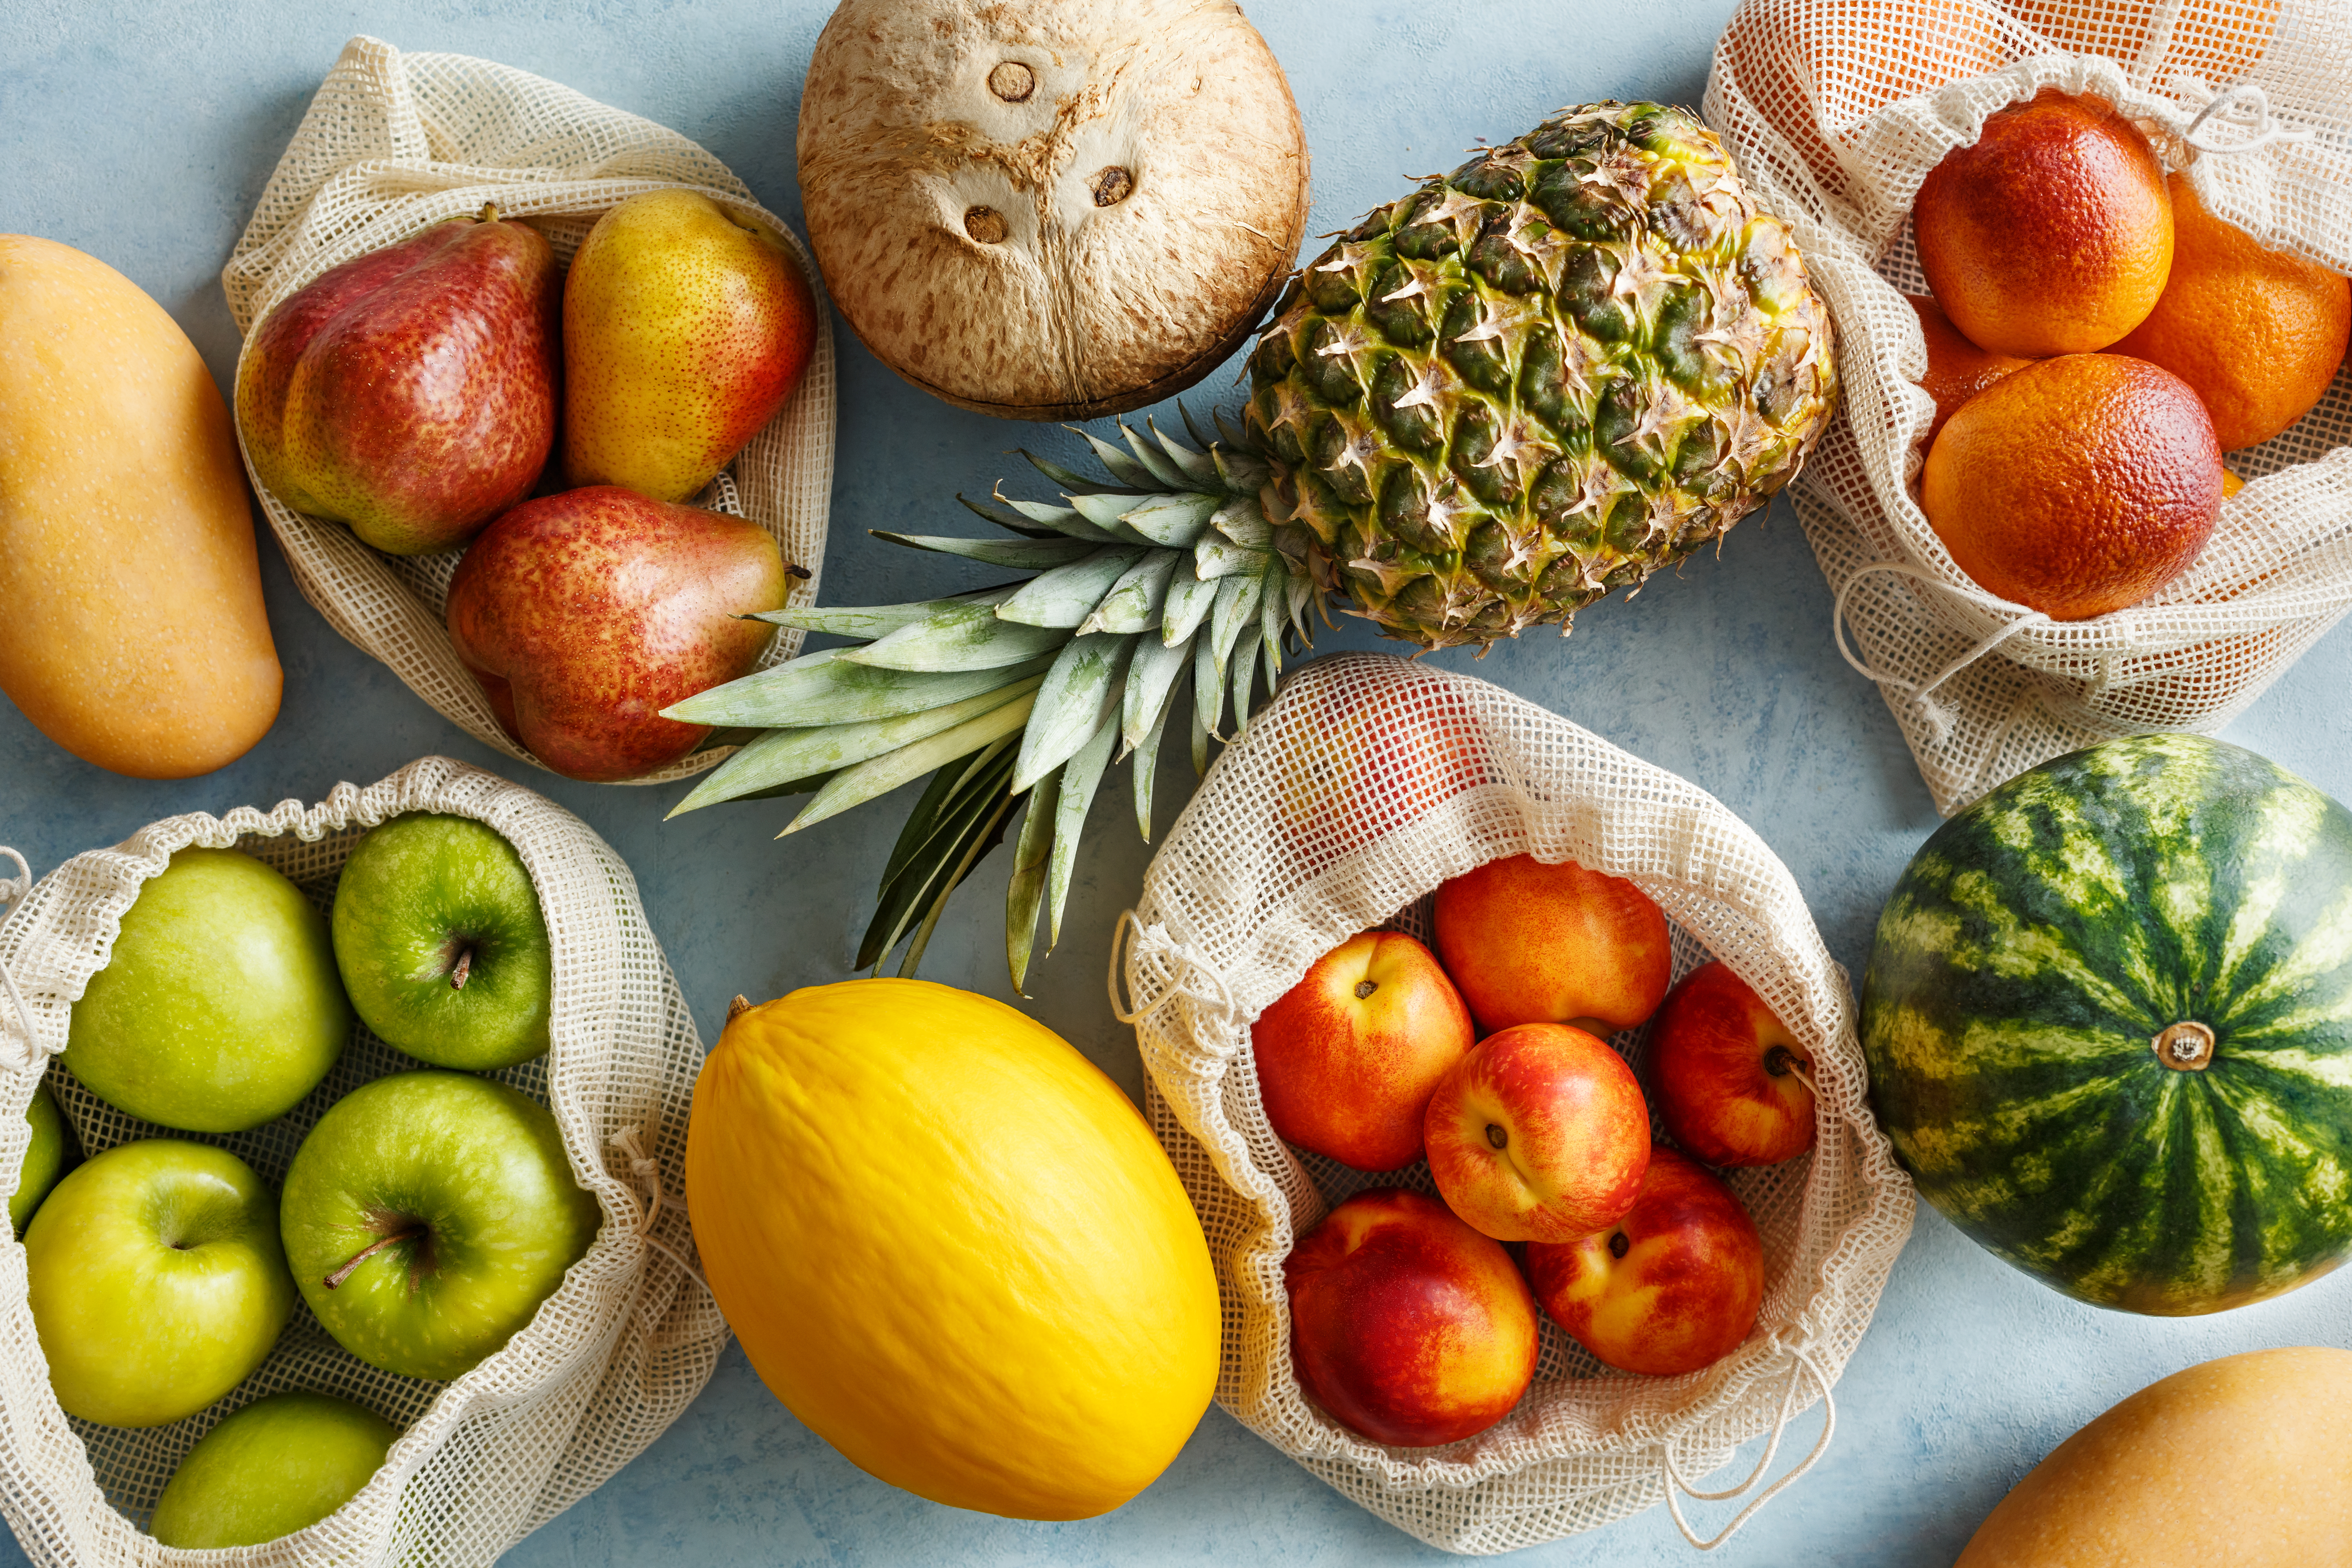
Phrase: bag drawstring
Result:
[14,890]
[2255,131]
[1677,1489]
[1184,963]
[646,1169]
[1938,718]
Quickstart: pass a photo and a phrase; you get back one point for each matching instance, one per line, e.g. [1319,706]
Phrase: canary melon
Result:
[2238,1461]
[951,1246]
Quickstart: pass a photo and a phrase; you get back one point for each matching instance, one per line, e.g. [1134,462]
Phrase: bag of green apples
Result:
[447,355]
[1476,1276]
[379,1306]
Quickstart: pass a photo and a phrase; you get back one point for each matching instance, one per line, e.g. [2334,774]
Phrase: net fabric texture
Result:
[1370,781]
[1835,113]
[611,1359]
[396,142]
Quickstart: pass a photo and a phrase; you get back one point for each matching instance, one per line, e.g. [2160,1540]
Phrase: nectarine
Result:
[1539,1134]
[1532,943]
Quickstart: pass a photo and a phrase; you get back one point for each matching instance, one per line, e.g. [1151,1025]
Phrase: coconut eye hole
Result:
[1013,82]
[1110,186]
[985,225]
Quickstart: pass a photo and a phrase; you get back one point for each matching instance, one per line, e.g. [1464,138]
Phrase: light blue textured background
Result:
[142,130]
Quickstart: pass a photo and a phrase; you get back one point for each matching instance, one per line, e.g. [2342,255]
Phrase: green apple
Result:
[45,1156]
[271,1469]
[442,946]
[427,1216]
[156,1281]
[219,1009]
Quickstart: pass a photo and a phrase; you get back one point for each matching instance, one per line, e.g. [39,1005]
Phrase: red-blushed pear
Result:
[1539,1134]
[1671,1287]
[1405,1324]
[1347,1058]
[583,614]
[1731,1078]
[411,391]
[686,327]
[1534,943]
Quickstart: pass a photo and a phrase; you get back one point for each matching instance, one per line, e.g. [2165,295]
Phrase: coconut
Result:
[1050,209]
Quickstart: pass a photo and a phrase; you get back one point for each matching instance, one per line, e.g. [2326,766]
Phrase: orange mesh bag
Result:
[1369,782]
[605,1366]
[1835,111]
[396,142]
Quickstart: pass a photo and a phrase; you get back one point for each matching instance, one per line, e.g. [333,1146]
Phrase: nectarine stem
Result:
[1782,1062]
[339,1275]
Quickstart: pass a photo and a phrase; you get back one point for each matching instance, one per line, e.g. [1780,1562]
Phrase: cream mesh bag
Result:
[393,142]
[610,1360]
[1368,783]
[1836,112]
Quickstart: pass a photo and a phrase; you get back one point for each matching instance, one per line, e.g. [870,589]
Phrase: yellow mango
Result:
[134,636]
[2238,1461]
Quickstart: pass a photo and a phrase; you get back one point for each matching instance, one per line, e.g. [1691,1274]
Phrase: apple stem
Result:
[339,1275]
[465,967]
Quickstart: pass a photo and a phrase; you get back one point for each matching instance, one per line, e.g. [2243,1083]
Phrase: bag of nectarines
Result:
[394,143]
[2033,549]
[621,1341]
[1540,885]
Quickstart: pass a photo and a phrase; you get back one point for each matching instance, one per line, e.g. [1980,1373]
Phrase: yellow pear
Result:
[134,636]
[686,326]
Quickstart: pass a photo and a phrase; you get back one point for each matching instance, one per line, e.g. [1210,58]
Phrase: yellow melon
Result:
[951,1246]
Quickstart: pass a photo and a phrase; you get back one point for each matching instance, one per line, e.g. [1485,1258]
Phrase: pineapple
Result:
[1572,361]
[1538,379]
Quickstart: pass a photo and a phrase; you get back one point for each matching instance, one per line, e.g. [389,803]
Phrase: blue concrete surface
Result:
[141,131]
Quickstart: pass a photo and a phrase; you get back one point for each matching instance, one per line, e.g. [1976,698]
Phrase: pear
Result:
[686,327]
[411,391]
[585,613]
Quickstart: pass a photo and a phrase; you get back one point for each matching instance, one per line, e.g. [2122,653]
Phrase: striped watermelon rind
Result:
[2029,957]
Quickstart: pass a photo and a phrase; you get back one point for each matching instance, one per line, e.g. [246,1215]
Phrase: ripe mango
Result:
[134,635]
[2238,1461]
[685,329]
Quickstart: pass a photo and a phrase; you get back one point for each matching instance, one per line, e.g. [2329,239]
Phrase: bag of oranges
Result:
[2090,477]
[1372,793]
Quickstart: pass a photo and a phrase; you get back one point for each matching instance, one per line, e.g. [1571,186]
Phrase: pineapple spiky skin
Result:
[1574,360]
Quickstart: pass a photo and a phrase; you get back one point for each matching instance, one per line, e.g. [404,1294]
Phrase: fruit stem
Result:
[1782,1062]
[738,1006]
[465,967]
[2185,1046]
[489,213]
[339,1275]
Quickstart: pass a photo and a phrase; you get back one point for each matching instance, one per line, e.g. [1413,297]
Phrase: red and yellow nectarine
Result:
[1723,1067]
[1347,1058]
[1539,1134]
[1669,1289]
[1531,943]
[1405,1324]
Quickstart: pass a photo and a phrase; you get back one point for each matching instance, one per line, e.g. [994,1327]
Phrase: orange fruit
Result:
[2230,483]
[2076,486]
[1957,369]
[2258,332]
[2052,234]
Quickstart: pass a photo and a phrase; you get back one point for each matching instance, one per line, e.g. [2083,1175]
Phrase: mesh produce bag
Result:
[1836,110]
[393,142]
[610,1360]
[1370,781]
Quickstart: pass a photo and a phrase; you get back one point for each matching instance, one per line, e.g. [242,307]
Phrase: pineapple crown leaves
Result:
[1163,576]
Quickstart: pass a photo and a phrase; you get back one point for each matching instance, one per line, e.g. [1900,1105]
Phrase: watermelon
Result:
[2108,1016]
